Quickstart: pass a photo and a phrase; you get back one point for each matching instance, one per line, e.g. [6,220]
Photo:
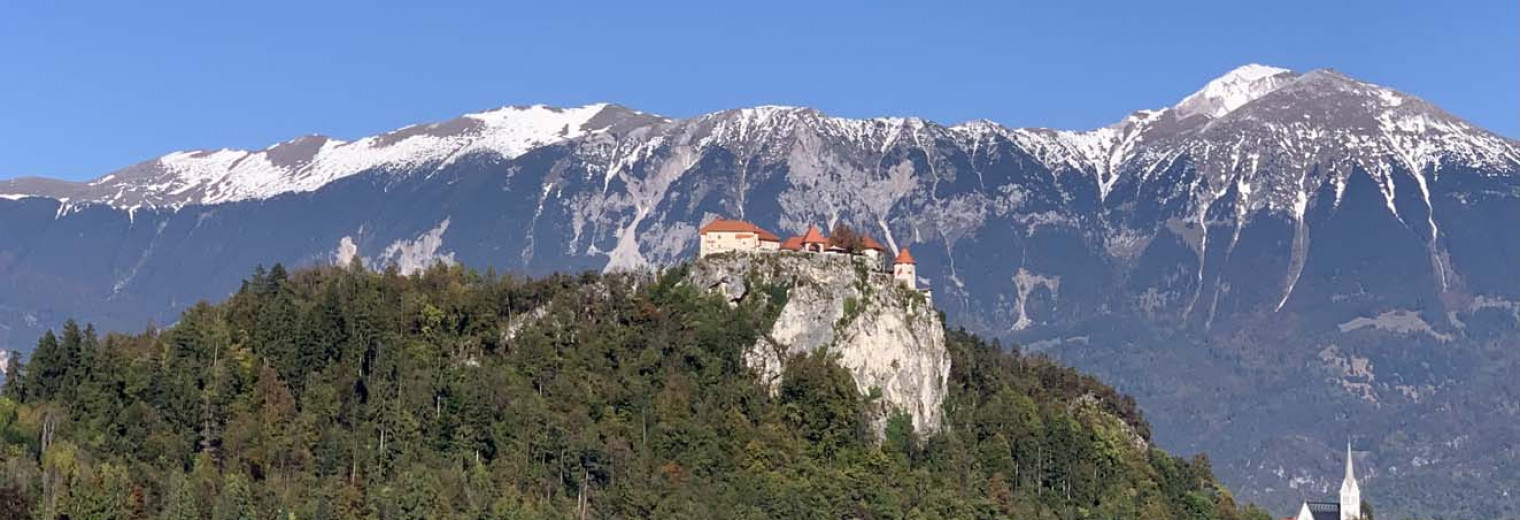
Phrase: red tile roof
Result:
[722,225]
[792,244]
[903,257]
[814,237]
[871,243]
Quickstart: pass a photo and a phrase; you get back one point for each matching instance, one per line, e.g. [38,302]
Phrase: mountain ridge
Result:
[228,175]
[1330,253]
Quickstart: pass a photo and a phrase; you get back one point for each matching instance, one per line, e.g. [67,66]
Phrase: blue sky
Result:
[87,88]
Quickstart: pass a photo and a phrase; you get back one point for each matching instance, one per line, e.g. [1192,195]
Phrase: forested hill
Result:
[342,393]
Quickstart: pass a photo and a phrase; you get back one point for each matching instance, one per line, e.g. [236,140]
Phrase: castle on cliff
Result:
[724,235]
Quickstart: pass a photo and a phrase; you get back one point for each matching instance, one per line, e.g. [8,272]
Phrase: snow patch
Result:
[513,131]
[1234,89]
[306,164]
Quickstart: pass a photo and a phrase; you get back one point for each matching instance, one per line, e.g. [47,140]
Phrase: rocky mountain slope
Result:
[1278,262]
[889,337]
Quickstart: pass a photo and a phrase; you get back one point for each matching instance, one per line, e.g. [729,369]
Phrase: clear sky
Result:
[87,88]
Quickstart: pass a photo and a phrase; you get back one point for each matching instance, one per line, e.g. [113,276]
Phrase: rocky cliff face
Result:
[888,336]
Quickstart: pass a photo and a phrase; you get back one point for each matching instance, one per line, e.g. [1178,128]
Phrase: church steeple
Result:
[1351,493]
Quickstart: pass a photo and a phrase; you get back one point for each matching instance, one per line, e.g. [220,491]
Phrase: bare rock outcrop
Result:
[889,337]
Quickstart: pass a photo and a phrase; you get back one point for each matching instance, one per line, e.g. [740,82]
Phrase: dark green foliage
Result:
[13,375]
[13,502]
[821,404]
[45,372]
[179,502]
[341,393]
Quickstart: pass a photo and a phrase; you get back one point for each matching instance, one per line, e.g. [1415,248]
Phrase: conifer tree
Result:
[13,367]
[46,370]
[258,282]
[72,346]
[235,502]
[277,277]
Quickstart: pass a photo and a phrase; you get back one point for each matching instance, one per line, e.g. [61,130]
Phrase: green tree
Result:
[235,502]
[180,503]
[13,367]
[103,496]
[46,371]
[821,401]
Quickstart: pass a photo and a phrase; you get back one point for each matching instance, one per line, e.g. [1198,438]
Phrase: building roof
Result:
[903,257]
[871,243]
[792,244]
[723,225]
[814,237]
[1324,510]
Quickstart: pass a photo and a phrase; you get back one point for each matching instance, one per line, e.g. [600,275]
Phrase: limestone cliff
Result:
[886,335]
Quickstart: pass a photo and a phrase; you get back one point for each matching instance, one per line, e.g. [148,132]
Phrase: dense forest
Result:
[345,393]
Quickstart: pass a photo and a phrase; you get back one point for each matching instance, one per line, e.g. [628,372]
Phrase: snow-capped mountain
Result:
[1228,92]
[1277,261]
[303,164]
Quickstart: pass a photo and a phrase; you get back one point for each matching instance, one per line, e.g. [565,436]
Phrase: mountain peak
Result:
[1251,72]
[1237,87]
[310,162]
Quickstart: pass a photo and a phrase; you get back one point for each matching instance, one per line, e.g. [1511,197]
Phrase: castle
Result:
[1348,508]
[724,235]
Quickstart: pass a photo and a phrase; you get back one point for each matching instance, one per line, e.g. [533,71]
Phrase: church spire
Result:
[1351,493]
[1350,474]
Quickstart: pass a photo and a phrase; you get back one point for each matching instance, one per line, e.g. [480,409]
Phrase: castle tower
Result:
[904,269]
[1351,494]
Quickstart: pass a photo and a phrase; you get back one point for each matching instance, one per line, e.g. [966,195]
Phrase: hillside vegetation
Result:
[343,393]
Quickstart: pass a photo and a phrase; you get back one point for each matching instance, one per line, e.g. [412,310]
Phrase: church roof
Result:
[903,257]
[723,225]
[1324,510]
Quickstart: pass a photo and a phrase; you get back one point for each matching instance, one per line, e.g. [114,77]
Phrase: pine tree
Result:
[45,373]
[13,368]
[236,500]
[277,277]
[72,347]
[258,283]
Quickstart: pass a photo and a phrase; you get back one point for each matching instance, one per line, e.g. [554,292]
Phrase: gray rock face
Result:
[889,337]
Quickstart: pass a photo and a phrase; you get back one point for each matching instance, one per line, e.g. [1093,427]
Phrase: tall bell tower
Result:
[905,269]
[1351,494]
